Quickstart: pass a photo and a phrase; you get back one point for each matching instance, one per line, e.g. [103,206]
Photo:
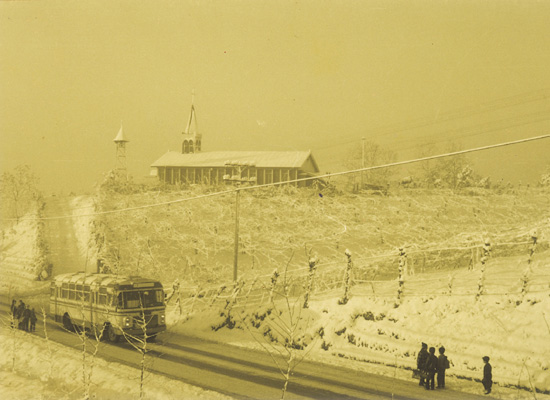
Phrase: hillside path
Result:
[61,237]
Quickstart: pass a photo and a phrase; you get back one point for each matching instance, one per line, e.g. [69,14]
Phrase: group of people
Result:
[428,365]
[24,315]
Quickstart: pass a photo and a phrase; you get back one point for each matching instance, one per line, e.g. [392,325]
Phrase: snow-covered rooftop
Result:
[261,159]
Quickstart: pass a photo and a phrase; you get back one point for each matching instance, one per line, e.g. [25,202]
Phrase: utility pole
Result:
[238,178]
[362,161]
[236,249]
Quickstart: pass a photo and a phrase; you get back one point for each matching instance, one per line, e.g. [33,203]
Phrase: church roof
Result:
[261,159]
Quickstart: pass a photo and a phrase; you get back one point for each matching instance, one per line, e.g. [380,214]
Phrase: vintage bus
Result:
[113,304]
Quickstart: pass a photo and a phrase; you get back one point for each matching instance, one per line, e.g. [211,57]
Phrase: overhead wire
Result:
[499,104]
[316,177]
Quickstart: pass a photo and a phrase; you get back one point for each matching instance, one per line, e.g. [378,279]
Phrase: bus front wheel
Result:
[111,334]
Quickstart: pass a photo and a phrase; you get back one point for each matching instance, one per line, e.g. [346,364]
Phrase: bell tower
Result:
[191,137]
[120,141]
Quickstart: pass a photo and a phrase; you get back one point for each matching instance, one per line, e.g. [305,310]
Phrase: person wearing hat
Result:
[421,361]
[487,375]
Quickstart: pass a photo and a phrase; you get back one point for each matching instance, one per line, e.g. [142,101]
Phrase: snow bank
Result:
[32,378]
[514,333]
[21,255]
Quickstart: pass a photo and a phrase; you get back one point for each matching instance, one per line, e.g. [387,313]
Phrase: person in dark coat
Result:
[487,375]
[13,310]
[26,318]
[421,361]
[431,368]
[19,314]
[20,309]
[442,365]
[33,320]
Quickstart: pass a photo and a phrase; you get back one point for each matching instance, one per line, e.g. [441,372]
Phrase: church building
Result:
[193,166]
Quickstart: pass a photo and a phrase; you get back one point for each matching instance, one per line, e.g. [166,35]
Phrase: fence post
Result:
[347,276]
[486,251]
[450,284]
[312,266]
[176,292]
[401,278]
[533,246]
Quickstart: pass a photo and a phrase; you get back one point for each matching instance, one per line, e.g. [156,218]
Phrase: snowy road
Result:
[248,374]
[61,237]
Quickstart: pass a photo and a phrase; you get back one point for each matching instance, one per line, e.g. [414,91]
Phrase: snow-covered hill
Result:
[370,332]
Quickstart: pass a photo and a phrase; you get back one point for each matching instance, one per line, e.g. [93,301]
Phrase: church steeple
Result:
[191,137]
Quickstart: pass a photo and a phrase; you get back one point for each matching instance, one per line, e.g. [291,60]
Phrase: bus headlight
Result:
[162,319]
[127,322]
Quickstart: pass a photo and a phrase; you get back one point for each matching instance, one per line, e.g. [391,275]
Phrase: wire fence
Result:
[455,271]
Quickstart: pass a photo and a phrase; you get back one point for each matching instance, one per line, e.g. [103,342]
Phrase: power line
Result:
[328,175]
[495,105]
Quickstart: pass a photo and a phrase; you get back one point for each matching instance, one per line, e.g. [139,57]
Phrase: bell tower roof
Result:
[120,136]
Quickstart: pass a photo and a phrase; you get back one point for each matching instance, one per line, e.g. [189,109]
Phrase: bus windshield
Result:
[141,298]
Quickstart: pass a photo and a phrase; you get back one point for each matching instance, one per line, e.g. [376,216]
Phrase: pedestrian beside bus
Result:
[33,320]
[19,314]
[20,309]
[442,365]
[487,375]
[431,369]
[421,361]
[26,318]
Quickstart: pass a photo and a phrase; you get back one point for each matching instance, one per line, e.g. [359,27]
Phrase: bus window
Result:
[87,293]
[65,291]
[145,298]
[52,291]
[102,298]
[72,292]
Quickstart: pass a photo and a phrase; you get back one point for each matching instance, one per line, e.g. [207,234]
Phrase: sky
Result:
[414,76]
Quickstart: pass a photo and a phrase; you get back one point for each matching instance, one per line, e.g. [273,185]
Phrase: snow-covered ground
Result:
[18,256]
[33,377]
[367,333]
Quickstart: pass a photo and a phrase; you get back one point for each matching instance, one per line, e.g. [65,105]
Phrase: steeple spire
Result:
[191,138]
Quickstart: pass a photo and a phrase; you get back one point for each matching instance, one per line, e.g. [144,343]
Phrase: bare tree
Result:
[11,323]
[140,343]
[50,356]
[89,348]
[281,330]
[19,190]
[373,154]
